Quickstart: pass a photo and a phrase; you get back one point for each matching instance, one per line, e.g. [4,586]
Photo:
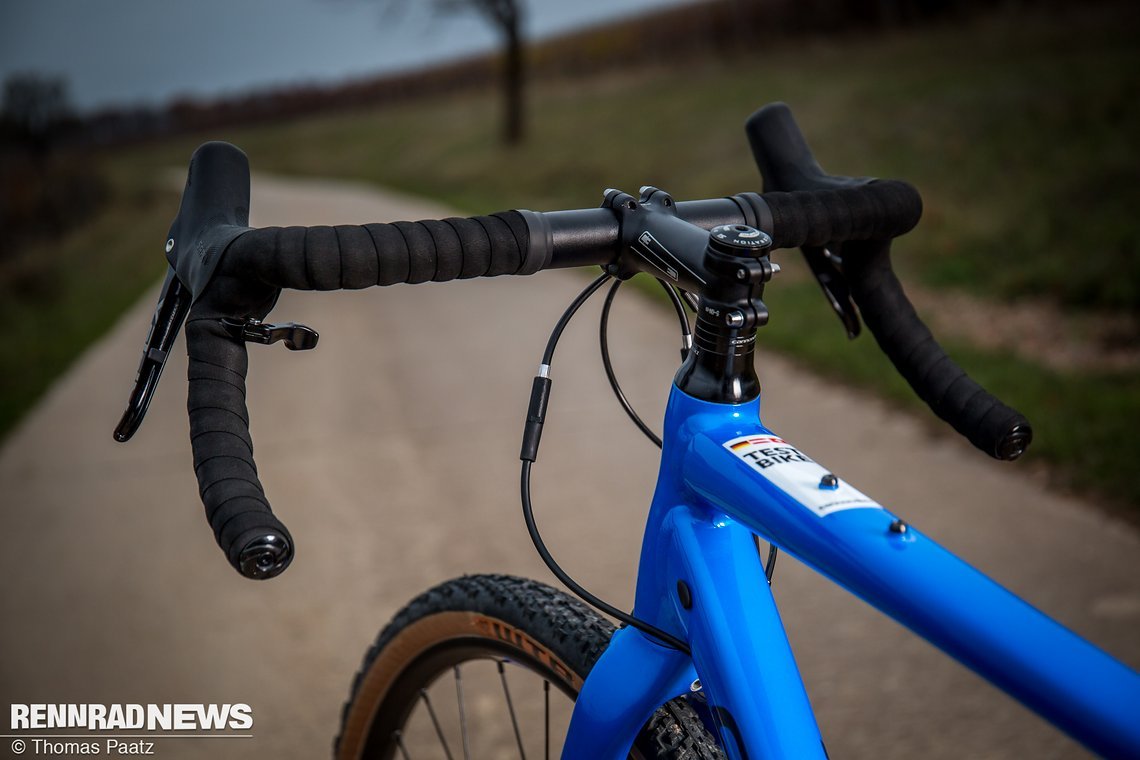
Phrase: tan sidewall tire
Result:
[422,636]
[495,616]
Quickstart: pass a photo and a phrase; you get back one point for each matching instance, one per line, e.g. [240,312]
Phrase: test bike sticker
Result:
[797,475]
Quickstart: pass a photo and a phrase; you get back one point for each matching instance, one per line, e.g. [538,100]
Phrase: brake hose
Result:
[604,343]
[536,414]
[687,343]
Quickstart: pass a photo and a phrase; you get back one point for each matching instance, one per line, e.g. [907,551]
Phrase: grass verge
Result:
[1083,422]
[59,296]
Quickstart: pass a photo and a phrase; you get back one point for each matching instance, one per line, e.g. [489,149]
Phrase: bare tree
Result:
[506,15]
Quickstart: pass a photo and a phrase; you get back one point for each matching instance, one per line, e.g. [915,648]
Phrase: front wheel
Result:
[489,666]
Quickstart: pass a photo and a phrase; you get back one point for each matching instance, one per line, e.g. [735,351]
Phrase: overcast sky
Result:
[147,51]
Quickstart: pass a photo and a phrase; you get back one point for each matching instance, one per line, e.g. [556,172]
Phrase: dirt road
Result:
[391,452]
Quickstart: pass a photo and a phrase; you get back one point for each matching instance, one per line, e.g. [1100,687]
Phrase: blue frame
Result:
[708,503]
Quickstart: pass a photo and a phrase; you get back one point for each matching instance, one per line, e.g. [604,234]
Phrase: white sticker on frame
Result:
[797,475]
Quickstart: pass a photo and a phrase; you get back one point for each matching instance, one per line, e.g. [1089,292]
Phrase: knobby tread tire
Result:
[570,630]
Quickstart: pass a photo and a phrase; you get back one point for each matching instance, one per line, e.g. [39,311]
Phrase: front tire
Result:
[499,629]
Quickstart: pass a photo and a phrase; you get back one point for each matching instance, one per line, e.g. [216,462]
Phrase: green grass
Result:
[57,297]
[1084,422]
[1019,129]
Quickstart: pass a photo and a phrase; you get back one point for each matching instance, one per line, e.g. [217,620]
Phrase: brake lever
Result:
[825,264]
[169,314]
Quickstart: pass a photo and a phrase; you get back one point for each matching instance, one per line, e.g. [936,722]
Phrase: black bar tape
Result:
[878,210]
[866,215]
[256,265]
[998,430]
[350,256]
[255,542]
[421,251]
[475,247]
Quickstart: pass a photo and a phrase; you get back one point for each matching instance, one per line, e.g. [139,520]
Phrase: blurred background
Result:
[1016,119]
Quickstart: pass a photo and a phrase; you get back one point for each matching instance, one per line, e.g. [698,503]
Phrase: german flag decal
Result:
[743,443]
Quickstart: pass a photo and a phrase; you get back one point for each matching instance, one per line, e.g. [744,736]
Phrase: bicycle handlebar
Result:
[233,271]
[786,163]
[525,242]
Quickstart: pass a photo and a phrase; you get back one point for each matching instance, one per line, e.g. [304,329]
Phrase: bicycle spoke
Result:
[400,743]
[511,709]
[462,715]
[435,722]
[546,700]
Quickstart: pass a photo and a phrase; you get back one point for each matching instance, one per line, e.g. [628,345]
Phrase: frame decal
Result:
[798,475]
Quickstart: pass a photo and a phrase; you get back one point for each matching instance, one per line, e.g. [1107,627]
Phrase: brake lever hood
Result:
[786,164]
[214,211]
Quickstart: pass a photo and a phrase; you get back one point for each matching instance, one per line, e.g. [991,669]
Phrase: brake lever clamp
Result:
[296,337]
